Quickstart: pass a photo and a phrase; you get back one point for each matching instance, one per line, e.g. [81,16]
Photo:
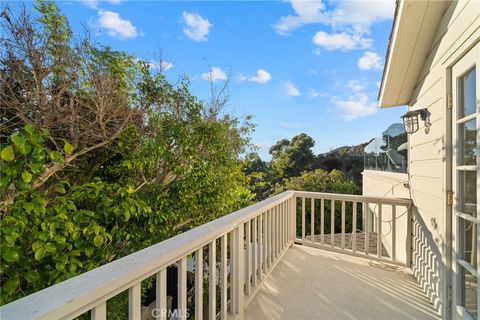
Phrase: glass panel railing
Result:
[389,151]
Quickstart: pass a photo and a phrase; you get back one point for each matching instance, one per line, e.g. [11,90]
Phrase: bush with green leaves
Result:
[102,156]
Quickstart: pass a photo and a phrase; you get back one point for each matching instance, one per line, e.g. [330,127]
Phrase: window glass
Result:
[468,132]
[469,294]
[467,94]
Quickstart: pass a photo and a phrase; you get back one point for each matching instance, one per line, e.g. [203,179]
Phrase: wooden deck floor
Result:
[310,283]
[360,242]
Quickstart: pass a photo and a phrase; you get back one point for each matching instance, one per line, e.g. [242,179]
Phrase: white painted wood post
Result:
[312,219]
[354,227]
[182,288]
[274,233]
[248,257]
[99,312]
[199,284]
[232,276]
[379,231]
[366,227]
[134,302]
[212,280]
[293,219]
[255,252]
[261,244]
[223,278]
[161,293]
[238,269]
[303,219]
[322,221]
[268,239]
[343,226]
[408,262]
[394,232]
[332,223]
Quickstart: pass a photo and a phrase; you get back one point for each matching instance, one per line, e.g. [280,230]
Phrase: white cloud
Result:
[116,26]
[369,60]
[261,77]
[214,74]
[341,41]
[358,15]
[196,27]
[313,93]
[355,106]
[361,14]
[290,89]
[356,85]
[305,12]
[164,65]
[94,3]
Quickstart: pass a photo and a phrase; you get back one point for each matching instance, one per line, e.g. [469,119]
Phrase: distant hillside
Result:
[357,150]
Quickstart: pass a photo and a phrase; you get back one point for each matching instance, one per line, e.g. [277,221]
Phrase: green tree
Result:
[100,156]
[290,158]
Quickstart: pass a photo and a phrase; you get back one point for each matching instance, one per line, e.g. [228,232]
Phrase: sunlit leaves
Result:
[8,154]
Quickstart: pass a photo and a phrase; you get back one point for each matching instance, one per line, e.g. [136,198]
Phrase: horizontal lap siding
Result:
[427,157]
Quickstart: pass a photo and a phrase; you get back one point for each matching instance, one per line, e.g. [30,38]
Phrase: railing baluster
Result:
[232,276]
[275,229]
[182,288]
[312,219]
[248,257]
[255,252]
[223,278]
[99,312]
[343,226]
[394,232]
[283,225]
[212,280]
[199,284]
[303,219]
[292,209]
[366,227]
[322,221]
[134,302]
[268,239]
[238,271]
[261,245]
[161,293]
[272,237]
[379,231]
[354,227]
[332,224]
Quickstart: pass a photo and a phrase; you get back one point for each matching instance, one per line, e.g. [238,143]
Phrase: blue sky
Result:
[296,66]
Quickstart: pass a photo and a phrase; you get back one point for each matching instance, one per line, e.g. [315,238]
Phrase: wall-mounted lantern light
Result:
[411,122]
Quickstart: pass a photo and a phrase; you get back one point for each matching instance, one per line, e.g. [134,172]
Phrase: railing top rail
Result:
[83,292]
[352,197]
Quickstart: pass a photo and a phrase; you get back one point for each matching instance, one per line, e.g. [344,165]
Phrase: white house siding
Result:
[429,154]
[388,184]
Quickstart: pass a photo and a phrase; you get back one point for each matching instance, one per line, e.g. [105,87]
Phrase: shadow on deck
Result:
[310,283]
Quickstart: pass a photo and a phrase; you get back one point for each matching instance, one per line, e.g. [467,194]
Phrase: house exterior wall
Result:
[429,172]
[388,184]
[430,154]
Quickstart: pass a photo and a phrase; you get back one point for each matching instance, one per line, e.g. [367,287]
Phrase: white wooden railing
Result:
[250,243]
[380,228]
